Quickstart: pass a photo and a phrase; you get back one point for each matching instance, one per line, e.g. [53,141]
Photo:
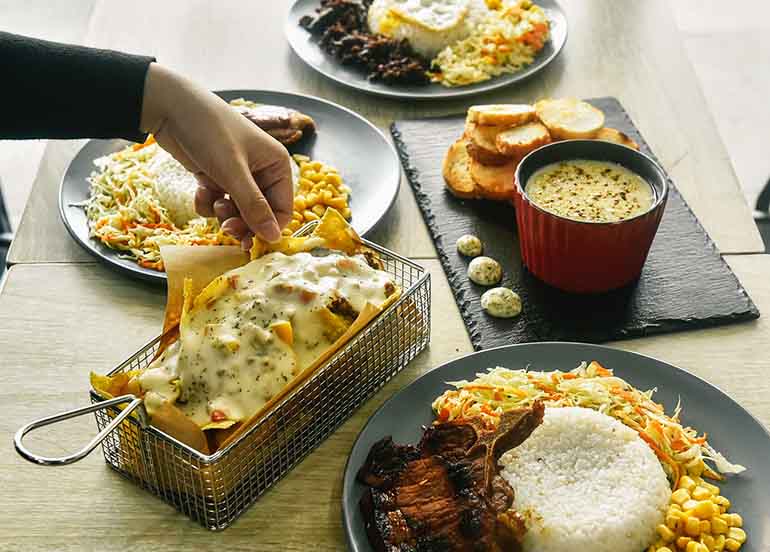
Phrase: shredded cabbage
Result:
[680,449]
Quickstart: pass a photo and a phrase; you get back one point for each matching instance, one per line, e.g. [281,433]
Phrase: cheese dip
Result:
[590,191]
[274,318]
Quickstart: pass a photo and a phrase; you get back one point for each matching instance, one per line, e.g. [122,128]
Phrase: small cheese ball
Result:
[485,271]
[469,245]
[501,302]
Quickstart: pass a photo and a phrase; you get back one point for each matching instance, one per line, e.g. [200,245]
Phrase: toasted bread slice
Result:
[484,156]
[501,114]
[494,182]
[481,144]
[569,118]
[613,135]
[520,140]
[456,171]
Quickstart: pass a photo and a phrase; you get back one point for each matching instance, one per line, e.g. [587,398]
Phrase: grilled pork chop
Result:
[445,494]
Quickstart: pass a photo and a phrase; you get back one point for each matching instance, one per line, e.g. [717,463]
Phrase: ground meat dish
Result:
[344,33]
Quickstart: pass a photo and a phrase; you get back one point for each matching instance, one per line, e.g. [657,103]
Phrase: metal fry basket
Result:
[215,489]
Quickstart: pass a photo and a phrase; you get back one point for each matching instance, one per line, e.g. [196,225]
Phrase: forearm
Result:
[53,90]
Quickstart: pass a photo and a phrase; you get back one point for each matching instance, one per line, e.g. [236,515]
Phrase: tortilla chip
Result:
[333,232]
[223,424]
[112,386]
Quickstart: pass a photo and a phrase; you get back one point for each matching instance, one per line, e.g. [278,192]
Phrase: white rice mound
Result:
[424,40]
[176,187]
[584,481]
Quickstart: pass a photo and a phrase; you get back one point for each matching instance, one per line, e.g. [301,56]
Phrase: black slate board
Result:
[685,283]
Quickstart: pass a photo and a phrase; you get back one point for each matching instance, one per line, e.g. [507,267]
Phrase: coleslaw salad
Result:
[680,449]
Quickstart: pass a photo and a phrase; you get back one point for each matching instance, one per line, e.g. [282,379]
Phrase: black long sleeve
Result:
[53,90]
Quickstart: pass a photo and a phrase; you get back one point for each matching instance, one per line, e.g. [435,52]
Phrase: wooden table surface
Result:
[62,315]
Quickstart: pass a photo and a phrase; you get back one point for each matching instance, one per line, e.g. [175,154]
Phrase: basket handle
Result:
[85,451]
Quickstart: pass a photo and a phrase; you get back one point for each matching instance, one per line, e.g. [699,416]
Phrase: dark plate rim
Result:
[448,93]
[347,490]
[110,257]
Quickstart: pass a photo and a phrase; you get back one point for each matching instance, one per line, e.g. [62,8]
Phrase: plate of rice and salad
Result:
[426,48]
[123,201]
[557,447]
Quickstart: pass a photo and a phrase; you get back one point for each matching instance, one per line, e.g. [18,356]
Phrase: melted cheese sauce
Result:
[230,359]
[590,191]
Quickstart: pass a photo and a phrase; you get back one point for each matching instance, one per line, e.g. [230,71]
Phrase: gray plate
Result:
[305,46]
[365,158]
[732,430]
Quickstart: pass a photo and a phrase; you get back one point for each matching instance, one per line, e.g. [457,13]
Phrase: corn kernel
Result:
[705,526]
[700,493]
[310,200]
[286,232]
[310,215]
[317,165]
[665,533]
[337,202]
[680,496]
[326,195]
[718,525]
[294,225]
[675,507]
[722,501]
[693,546]
[319,210]
[736,520]
[682,542]
[299,203]
[713,489]
[703,509]
[334,179]
[719,543]
[689,504]
[737,534]
[686,482]
[346,213]
[692,527]
[664,549]
[305,166]
[732,545]
[672,521]
[707,541]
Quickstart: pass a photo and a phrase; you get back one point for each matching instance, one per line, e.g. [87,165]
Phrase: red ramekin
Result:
[587,257]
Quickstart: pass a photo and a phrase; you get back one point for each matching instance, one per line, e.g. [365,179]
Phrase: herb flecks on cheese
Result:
[274,317]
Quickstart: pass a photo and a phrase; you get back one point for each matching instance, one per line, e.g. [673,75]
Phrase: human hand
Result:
[227,153]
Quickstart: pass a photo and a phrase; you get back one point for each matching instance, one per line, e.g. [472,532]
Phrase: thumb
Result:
[254,208]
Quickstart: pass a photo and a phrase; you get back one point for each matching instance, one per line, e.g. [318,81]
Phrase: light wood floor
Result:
[728,44]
